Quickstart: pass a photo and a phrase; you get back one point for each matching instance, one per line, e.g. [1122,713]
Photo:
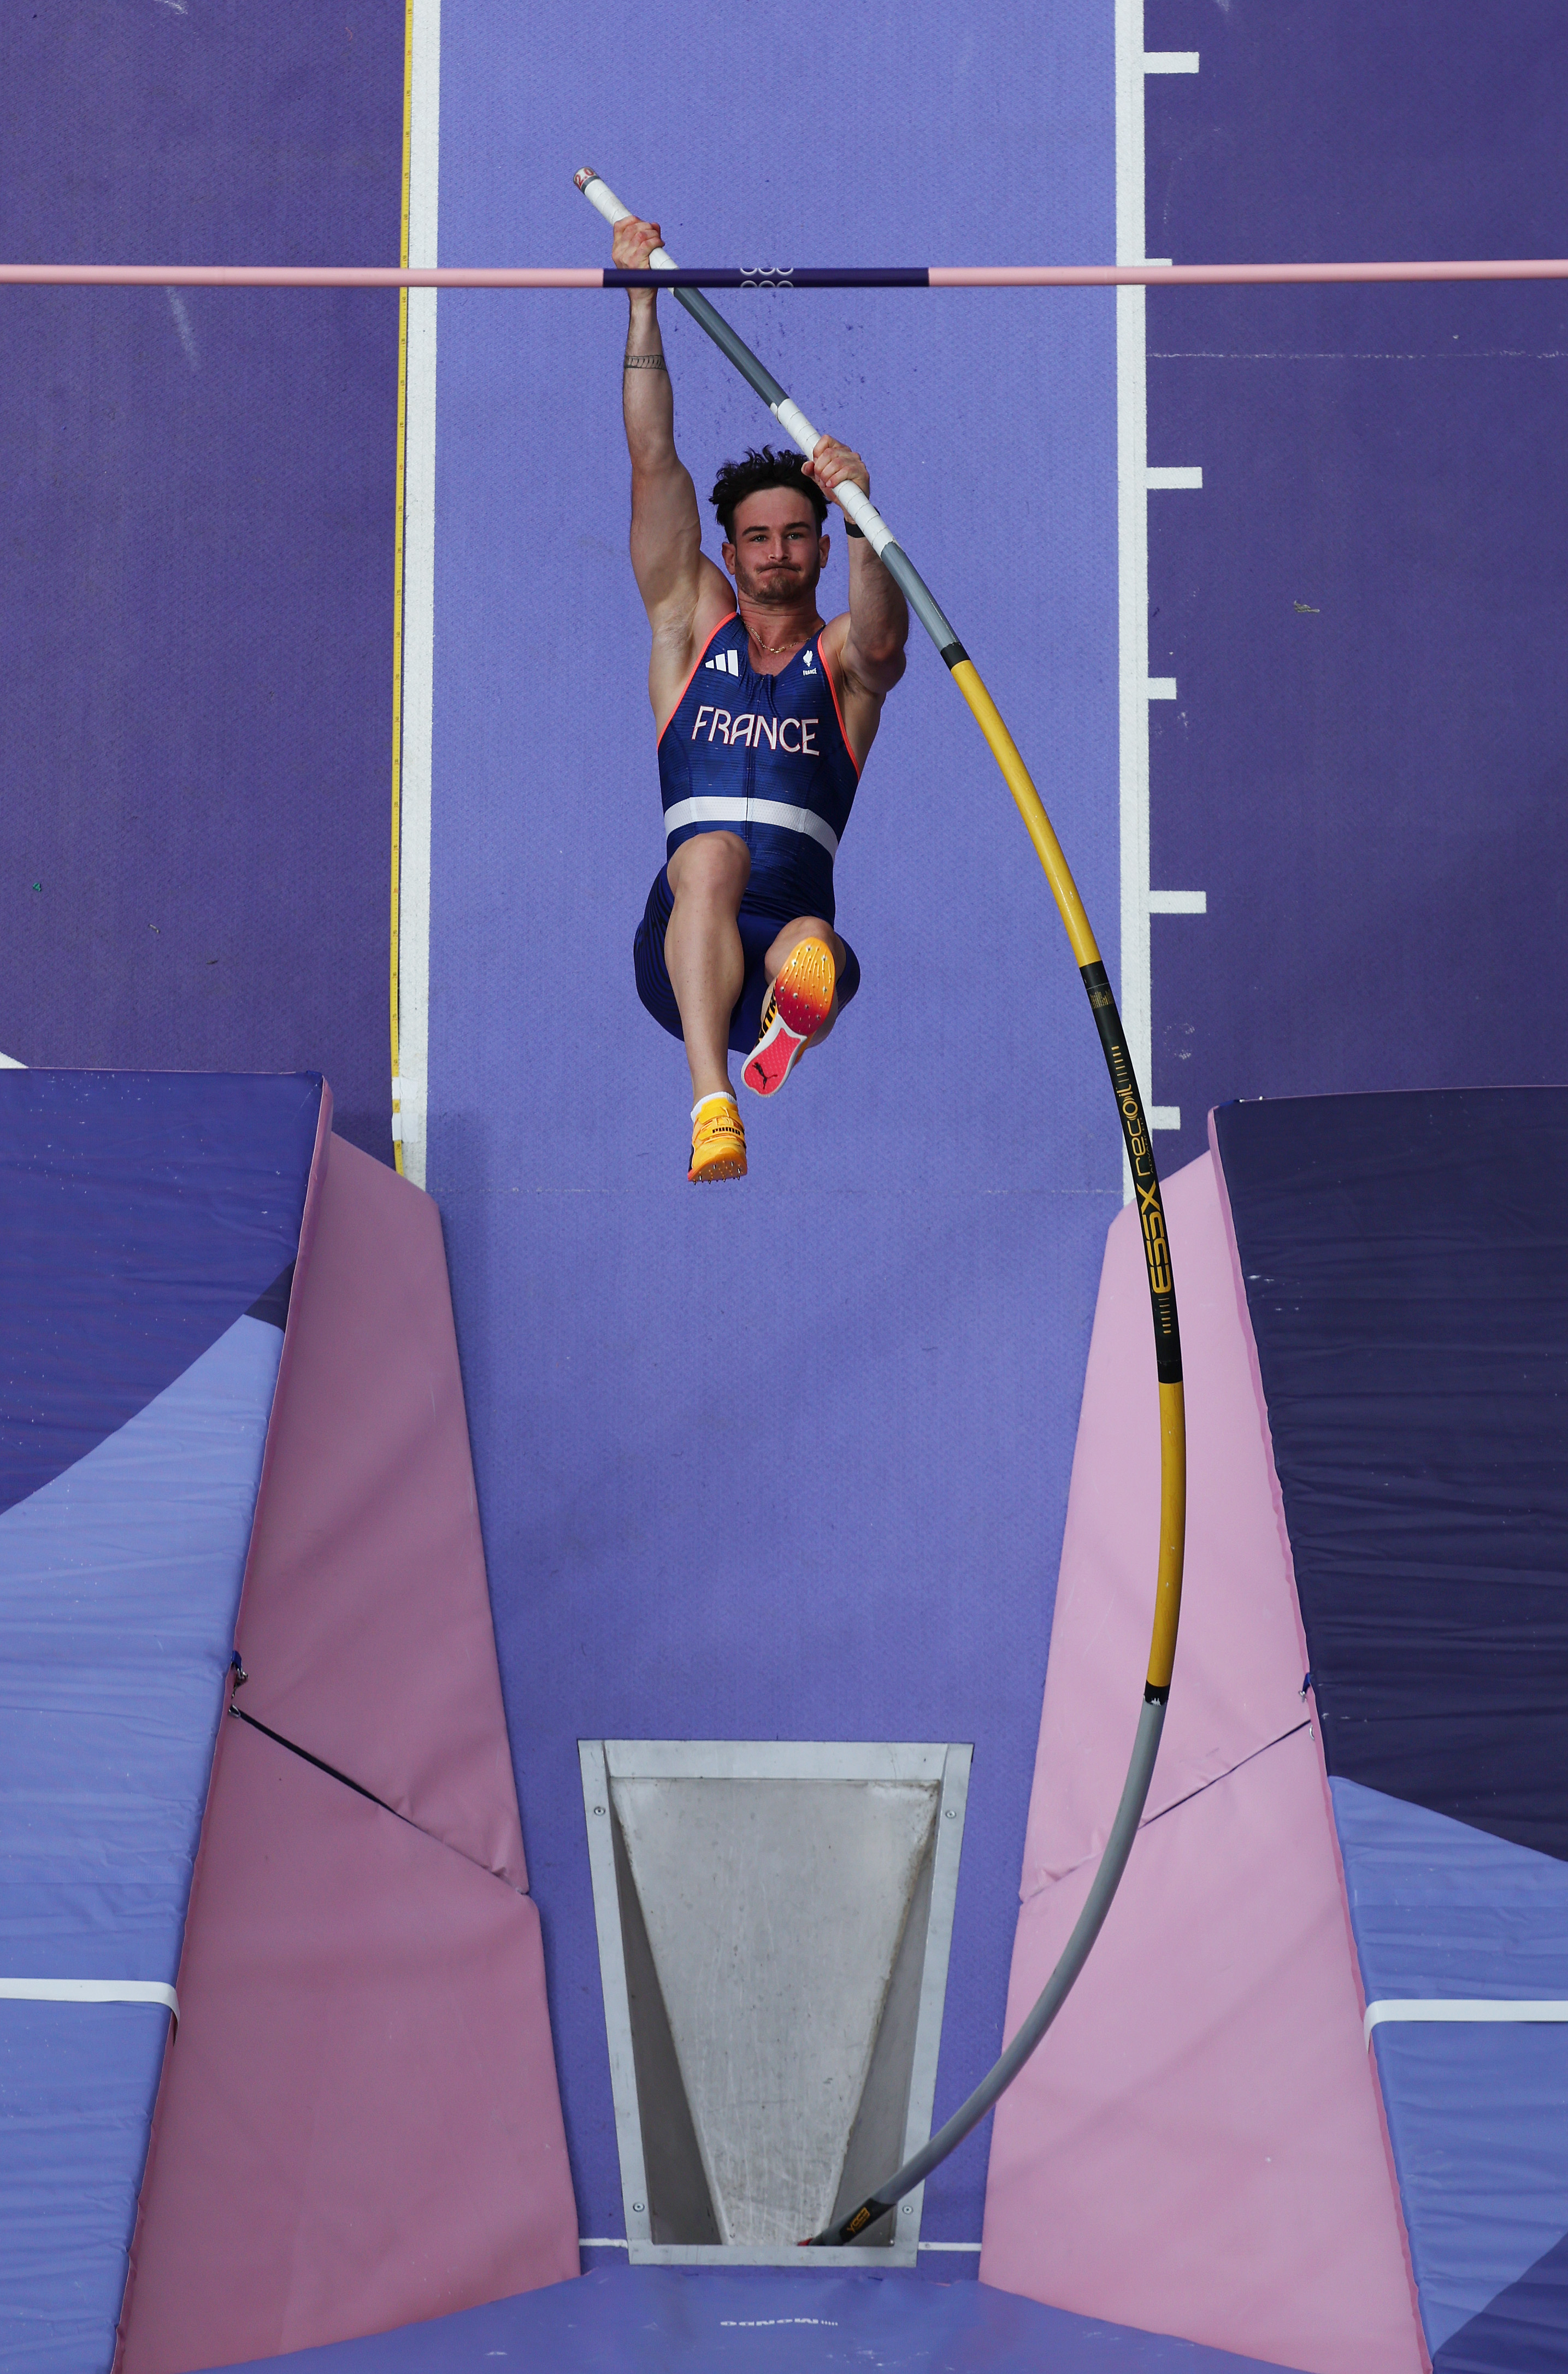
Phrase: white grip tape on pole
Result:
[865,514]
[848,497]
[793,422]
[602,198]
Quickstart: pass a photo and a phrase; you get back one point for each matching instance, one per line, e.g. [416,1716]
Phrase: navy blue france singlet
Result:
[763,756]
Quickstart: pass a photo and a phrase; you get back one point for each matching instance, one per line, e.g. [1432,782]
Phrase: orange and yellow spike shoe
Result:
[799,1003]
[719,1140]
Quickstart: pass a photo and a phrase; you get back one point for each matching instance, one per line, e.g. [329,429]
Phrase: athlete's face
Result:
[778,553]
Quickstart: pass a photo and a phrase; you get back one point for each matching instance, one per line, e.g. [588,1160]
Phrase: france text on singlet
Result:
[763,756]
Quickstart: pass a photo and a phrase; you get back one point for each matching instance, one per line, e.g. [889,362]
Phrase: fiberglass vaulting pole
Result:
[1156,1250]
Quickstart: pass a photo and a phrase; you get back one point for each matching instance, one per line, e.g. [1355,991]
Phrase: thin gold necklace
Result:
[773,649]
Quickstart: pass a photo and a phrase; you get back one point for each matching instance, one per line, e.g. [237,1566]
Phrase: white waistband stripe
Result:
[1458,2007]
[710,810]
[89,1990]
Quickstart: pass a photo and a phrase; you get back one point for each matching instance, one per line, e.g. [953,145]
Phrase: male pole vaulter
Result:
[765,719]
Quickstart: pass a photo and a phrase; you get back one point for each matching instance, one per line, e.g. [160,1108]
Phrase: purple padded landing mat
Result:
[1402,1259]
[680,2321]
[147,1219]
[1520,2332]
[144,1214]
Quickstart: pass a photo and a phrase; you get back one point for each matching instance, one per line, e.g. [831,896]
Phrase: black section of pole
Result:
[1138,1140]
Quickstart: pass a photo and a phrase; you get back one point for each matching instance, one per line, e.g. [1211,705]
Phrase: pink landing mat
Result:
[365,1625]
[358,2126]
[1241,1658]
[1198,2147]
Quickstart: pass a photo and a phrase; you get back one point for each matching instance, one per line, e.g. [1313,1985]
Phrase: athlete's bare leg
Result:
[807,927]
[702,949]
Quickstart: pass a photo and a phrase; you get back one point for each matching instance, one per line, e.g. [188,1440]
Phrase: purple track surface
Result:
[196,606]
[674,2320]
[786,1459]
[1364,606]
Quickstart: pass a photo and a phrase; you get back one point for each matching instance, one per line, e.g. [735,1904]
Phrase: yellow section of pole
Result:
[1173,1535]
[1173,1406]
[1037,824]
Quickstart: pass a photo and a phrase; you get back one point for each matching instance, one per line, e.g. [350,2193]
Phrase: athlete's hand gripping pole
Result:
[1157,1250]
[789,416]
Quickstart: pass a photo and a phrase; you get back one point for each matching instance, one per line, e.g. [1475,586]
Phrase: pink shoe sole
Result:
[800,1002]
[772,1059]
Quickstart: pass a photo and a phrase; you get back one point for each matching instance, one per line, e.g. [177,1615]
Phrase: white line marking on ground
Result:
[1161,687]
[1178,902]
[1170,61]
[1182,476]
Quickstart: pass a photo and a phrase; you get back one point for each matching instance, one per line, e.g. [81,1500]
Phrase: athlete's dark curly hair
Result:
[755,470]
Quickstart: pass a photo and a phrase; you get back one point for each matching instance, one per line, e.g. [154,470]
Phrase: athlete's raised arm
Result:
[865,646]
[684,594]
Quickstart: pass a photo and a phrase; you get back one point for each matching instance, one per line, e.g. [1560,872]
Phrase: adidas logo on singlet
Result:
[727,663]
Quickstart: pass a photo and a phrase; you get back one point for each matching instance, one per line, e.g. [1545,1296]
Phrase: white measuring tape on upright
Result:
[786,411]
[1459,2007]
[90,1990]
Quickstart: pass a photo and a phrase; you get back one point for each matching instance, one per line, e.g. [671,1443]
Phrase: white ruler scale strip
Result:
[1132,557]
[1136,478]
[419,598]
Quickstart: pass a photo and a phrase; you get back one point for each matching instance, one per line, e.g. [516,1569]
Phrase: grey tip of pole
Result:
[582,180]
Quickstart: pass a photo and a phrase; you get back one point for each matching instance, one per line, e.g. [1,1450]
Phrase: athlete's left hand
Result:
[831,463]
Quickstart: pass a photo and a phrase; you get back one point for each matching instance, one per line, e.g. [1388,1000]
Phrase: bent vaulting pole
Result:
[1156,1250]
